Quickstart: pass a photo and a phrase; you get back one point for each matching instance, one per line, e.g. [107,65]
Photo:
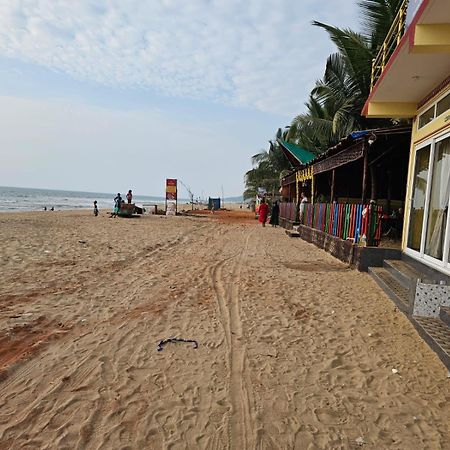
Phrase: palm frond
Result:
[377,16]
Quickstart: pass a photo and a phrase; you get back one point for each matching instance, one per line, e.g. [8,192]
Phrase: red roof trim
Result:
[436,91]
[410,34]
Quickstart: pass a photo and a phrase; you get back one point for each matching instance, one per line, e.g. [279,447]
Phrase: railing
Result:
[391,42]
[359,223]
[288,211]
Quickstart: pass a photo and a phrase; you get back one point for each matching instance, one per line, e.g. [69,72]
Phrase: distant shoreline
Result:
[33,199]
[181,206]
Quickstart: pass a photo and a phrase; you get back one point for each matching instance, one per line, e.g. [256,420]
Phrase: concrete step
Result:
[436,333]
[404,273]
[398,293]
[427,274]
[444,314]
[292,233]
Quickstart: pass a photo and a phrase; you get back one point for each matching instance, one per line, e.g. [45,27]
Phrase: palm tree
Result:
[312,130]
[332,110]
[377,17]
[357,50]
[334,106]
[269,166]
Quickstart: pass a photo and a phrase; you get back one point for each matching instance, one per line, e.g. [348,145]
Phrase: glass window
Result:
[443,105]
[426,117]
[418,197]
[440,191]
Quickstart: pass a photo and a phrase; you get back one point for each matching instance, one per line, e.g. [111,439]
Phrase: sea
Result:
[15,199]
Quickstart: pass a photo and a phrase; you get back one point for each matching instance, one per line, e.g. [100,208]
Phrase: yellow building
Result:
[411,79]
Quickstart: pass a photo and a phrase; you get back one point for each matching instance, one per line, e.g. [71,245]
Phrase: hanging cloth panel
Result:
[346,156]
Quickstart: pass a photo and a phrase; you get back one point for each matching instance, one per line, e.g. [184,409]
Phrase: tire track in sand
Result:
[242,433]
[221,299]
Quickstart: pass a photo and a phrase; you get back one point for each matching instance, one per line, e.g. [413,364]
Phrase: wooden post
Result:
[332,186]
[373,182]
[365,172]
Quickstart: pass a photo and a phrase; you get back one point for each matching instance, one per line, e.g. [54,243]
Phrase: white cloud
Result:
[257,53]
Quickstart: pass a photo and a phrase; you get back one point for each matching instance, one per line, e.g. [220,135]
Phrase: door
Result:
[419,193]
[429,219]
[438,199]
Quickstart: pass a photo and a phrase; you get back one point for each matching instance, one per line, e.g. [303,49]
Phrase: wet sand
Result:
[296,350]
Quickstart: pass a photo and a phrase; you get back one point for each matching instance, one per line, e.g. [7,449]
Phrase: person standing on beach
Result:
[129,196]
[263,212]
[95,208]
[275,214]
[117,203]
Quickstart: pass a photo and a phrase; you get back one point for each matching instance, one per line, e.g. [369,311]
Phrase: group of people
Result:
[264,213]
[118,201]
[275,213]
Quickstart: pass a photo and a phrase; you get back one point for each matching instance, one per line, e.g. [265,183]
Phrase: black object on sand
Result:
[166,341]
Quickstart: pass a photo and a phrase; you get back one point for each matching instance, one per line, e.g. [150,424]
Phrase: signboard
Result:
[171,189]
[413,7]
[171,196]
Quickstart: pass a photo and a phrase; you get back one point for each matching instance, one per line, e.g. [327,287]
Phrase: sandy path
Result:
[241,421]
[295,350]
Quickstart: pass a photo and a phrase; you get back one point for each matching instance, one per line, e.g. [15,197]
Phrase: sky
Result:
[111,95]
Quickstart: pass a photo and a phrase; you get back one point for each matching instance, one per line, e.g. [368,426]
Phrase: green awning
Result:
[297,156]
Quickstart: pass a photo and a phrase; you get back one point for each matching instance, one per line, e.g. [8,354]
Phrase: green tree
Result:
[377,17]
[335,104]
[269,166]
[331,111]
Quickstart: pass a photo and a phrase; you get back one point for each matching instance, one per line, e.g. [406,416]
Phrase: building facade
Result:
[411,80]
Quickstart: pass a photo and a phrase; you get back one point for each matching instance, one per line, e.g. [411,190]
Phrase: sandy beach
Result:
[295,350]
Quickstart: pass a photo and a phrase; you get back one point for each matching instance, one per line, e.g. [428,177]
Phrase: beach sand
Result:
[296,350]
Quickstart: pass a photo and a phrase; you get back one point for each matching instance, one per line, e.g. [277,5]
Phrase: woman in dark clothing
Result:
[275,214]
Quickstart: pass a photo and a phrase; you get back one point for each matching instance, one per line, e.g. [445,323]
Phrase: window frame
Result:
[442,265]
[434,106]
